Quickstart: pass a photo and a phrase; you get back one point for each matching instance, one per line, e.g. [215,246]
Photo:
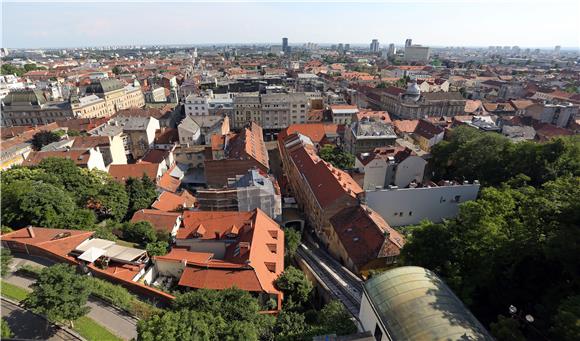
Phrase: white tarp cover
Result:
[92,254]
[96,242]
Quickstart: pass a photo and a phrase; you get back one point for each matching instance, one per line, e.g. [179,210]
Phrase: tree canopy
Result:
[515,245]
[336,156]
[295,286]
[59,294]
[43,138]
[57,193]
[141,193]
[469,154]
[5,260]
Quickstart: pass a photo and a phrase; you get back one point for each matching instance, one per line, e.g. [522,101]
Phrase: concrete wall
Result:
[168,268]
[117,151]
[408,206]
[412,168]
[369,319]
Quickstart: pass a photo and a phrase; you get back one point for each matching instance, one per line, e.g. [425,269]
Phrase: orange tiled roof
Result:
[406,126]
[161,221]
[327,182]
[123,172]
[79,156]
[57,241]
[168,201]
[168,182]
[260,246]
[365,235]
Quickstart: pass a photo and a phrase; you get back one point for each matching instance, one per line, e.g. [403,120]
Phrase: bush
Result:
[28,270]
[118,296]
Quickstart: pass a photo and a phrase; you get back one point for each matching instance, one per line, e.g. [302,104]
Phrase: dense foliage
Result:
[6,332]
[230,314]
[295,286]
[5,260]
[141,193]
[59,294]
[43,138]
[469,154]
[292,241]
[516,245]
[59,194]
[336,156]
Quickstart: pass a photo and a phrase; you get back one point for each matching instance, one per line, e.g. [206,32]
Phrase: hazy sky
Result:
[430,22]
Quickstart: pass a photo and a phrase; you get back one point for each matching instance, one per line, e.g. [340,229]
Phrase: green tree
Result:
[141,193]
[32,67]
[141,232]
[9,69]
[336,319]
[158,248]
[336,156]
[507,329]
[59,294]
[35,203]
[110,201]
[292,238]
[5,260]
[43,138]
[181,325]
[6,332]
[289,326]
[117,70]
[296,287]
[567,320]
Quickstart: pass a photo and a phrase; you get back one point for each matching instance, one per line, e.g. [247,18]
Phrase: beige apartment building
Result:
[116,96]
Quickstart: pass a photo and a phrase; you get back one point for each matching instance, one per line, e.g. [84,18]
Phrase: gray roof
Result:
[24,97]
[371,129]
[442,96]
[104,85]
[519,133]
[413,303]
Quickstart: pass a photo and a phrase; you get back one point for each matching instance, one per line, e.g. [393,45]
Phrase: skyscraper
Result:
[285,45]
[408,42]
[392,50]
[375,46]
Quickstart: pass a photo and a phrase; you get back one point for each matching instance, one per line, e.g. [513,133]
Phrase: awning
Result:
[92,254]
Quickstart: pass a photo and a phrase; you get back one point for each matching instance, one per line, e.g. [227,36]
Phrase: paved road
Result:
[26,325]
[117,321]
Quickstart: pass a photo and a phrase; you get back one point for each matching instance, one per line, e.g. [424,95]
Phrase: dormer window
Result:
[271,266]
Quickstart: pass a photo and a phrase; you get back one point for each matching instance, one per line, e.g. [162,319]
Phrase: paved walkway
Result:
[116,320]
[29,326]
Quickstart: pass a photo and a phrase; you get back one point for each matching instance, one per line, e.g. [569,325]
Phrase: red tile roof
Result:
[123,172]
[161,221]
[57,241]
[327,182]
[79,156]
[169,183]
[257,250]
[380,115]
[317,132]
[365,235]
[219,279]
[168,201]
[405,126]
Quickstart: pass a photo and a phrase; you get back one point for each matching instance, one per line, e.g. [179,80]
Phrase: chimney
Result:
[31,232]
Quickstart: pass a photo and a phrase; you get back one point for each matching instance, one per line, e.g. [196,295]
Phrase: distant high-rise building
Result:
[375,46]
[340,48]
[408,42]
[392,50]
[557,49]
[285,44]
[346,47]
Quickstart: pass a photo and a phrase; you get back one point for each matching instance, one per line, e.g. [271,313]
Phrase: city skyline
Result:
[432,23]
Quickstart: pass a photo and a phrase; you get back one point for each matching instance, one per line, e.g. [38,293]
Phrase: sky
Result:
[526,23]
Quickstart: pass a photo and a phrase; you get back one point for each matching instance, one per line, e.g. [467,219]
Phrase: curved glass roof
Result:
[415,304]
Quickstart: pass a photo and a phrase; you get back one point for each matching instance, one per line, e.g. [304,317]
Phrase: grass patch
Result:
[91,330]
[13,292]
[127,244]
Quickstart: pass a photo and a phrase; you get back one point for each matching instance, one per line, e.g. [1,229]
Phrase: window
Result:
[410,213]
[457,198]
[378,333]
